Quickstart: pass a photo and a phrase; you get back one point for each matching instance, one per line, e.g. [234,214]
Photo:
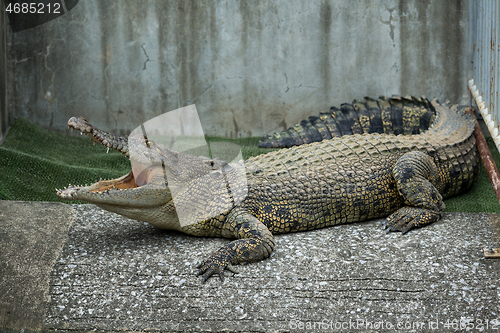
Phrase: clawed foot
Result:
[216,264]
[408,217]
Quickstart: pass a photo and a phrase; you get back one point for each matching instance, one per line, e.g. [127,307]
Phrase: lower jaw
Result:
[87,193]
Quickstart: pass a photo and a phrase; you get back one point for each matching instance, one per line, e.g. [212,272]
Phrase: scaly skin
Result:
[341,180]
[394,115]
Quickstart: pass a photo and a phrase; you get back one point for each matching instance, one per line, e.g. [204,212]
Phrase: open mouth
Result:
[119,190]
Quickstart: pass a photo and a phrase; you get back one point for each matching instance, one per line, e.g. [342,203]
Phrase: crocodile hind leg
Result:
[255,242]
[414,173]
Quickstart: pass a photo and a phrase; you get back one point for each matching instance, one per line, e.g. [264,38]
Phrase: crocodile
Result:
[343,179]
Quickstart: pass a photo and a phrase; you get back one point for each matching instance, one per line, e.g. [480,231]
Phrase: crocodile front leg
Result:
[414,173]
[255,242]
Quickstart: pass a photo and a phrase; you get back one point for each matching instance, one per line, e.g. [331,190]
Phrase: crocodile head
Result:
[144,193]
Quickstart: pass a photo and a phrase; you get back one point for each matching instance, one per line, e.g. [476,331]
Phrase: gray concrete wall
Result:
[3,59]
[251,67]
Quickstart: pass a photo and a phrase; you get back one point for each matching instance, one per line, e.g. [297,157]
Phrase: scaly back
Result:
[389,115]
[448,140]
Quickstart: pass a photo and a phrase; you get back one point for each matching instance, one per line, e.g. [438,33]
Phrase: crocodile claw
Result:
[216,264]
[407,218]
[206,273]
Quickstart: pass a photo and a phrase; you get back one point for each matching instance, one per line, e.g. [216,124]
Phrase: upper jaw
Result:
[109,140]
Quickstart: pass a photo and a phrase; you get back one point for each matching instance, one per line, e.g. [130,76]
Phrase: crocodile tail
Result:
[390,115]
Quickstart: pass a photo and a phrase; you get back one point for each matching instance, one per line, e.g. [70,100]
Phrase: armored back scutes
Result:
[389,115]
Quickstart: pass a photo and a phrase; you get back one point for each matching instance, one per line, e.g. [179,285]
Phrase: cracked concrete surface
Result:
[389,22]
[147,57]
[120,64]
[116,274]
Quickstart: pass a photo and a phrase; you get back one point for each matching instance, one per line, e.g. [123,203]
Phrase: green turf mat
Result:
[35,161]
[481,196]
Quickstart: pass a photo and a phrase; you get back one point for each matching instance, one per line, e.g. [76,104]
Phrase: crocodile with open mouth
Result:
[374,173]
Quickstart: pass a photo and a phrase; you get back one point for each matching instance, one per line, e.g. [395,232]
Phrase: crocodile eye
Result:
[257,172]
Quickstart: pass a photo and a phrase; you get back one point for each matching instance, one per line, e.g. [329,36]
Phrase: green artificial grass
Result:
[35,161]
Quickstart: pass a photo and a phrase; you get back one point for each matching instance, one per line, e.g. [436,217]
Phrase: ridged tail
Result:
[390,115]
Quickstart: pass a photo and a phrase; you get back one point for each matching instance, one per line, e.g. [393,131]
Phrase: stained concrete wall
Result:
[251,67]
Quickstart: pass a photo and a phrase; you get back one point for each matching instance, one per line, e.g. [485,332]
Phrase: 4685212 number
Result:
[33,8]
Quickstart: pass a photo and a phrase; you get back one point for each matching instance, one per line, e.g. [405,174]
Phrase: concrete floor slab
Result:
[32,235]
[116,274]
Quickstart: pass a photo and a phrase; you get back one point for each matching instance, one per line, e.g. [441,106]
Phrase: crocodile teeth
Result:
[107,151]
